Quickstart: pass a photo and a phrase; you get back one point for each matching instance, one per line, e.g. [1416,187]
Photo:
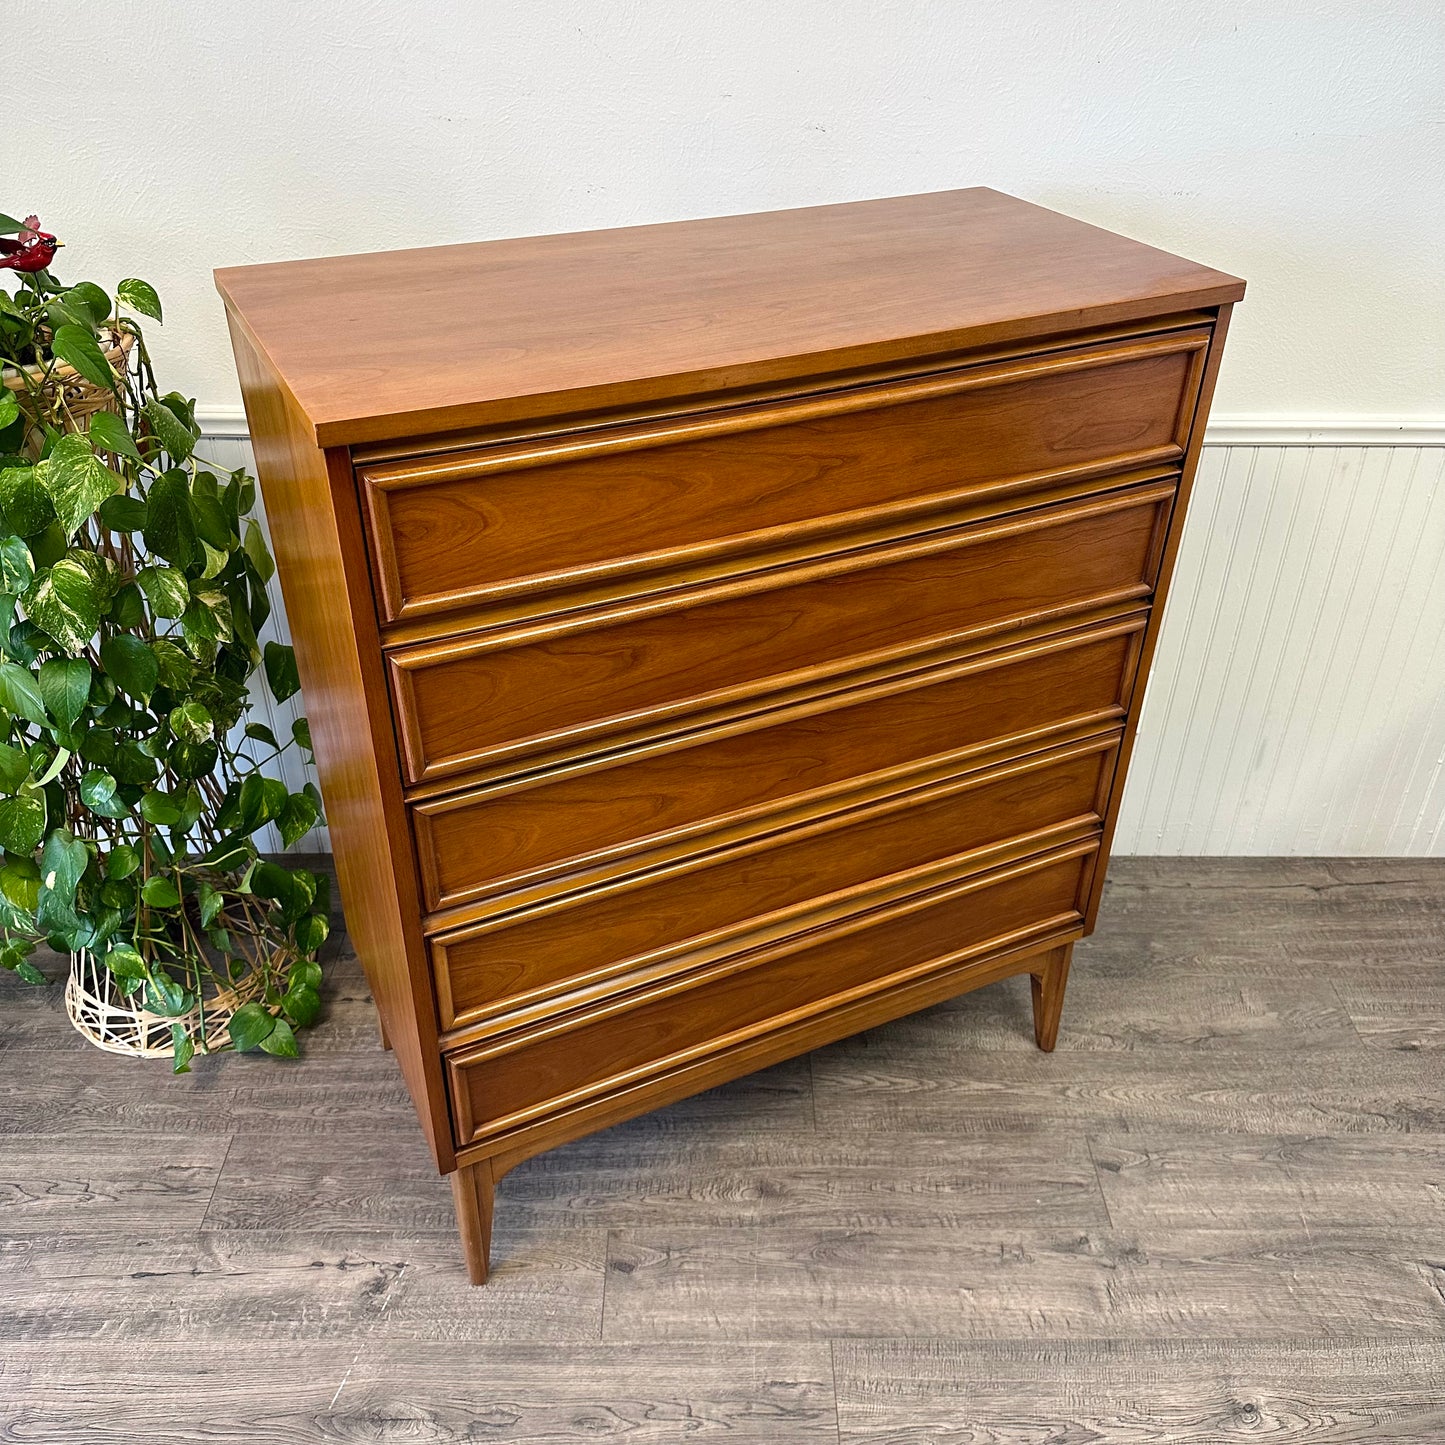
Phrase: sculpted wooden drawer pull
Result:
[506,1082]
[567,685]
[847,861]
[596,819]
[703,665]
[454,530]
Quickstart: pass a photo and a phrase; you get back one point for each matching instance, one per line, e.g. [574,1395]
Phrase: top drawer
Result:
[465,528]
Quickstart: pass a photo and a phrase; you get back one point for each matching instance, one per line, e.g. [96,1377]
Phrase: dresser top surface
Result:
[395,344]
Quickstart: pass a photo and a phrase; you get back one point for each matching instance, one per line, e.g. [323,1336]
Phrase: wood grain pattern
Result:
[297,1286]
[1036,1283]
[714,903]
[186,1394]
[1184,1180]
[740,558]
[48,1185]
[505,1081]
[316,533]
[1137,1392]
[1269,1268]
[464,528]
[515,692]
[604,817]
[461,336]
[1167,559]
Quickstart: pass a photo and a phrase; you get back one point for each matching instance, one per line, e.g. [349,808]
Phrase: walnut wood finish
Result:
[638,671]
[403,343]
[451,530]
[492,848]
[324,579]
[701,669]
[511,1079]
[666,921]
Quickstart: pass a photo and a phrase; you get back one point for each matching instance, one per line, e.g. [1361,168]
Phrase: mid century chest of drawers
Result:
[717,637]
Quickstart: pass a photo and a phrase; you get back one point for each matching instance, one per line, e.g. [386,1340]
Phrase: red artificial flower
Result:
[32,250]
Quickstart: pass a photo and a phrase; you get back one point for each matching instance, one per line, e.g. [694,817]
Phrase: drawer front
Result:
[461,529]
[514,1078]
[592,822]
[560,687]
[703,906]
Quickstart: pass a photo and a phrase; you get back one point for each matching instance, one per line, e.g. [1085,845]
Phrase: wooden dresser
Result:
[717,637]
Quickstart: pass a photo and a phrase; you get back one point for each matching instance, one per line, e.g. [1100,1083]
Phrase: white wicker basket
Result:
[121,1026]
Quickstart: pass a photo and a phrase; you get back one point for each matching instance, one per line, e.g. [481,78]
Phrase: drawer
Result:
[585,823]
[513,1078]
[561,687]
[460,529]
[702,906]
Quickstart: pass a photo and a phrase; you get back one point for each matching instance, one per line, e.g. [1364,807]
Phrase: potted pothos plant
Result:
[132,787]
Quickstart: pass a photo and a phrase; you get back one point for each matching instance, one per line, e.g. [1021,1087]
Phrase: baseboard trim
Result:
[1244,430]
[1240,430]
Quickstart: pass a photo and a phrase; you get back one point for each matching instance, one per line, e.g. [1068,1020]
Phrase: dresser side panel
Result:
[1168,556]
[316,535]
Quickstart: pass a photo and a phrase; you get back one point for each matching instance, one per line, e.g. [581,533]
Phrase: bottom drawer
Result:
[512,1079]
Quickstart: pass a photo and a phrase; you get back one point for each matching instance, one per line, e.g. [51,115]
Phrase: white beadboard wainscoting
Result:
[1297,703]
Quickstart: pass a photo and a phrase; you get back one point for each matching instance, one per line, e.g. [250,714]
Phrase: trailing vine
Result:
[132,592]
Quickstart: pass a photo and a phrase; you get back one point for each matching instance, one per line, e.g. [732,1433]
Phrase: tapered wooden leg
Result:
[473,1186]
[1048,982]
[381,1029]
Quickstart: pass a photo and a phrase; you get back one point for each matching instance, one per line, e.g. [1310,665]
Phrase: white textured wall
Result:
[1295,142]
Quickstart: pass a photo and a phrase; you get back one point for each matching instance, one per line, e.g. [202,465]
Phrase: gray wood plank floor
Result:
[1216,1213]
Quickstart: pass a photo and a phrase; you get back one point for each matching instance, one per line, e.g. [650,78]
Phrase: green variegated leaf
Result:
[24,501]
[77,481]
[176,669]
[139,296]
[62,861]
[281,670]
[168,429]
[16,565]
[170,525]
[250,1025]
[97,792]
[125,962]
[20,883]
[165,589]
[68,600]
[22,824]
[123,514]
[160,892]
[297,819]
[92,297]
[14,768]
[161,809]
[280,1041]
[20,695]
[257,551]
[191,722]
[109,433]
